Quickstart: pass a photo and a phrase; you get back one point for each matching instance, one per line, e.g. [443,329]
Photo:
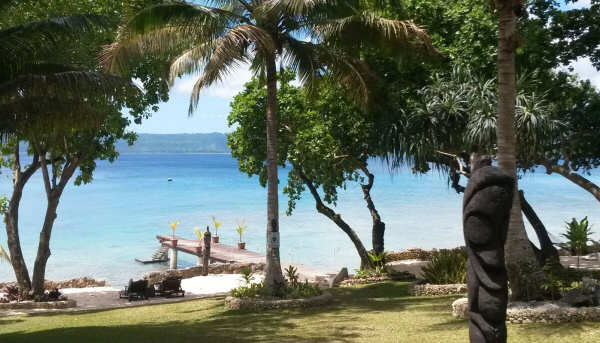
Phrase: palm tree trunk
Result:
[273,276]
[518,250]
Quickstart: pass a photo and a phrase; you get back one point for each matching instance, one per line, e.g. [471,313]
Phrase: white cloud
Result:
[585,70]
[579,4]
[232,84]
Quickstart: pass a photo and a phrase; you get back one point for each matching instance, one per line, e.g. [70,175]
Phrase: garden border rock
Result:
[261,305]
[416,289]
[540,312]
[364,281]
[32,305]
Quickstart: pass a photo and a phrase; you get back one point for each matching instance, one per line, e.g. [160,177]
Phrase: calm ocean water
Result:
[103,226]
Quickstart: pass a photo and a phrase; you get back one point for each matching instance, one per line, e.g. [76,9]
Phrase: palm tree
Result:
[305,35]
[519,252]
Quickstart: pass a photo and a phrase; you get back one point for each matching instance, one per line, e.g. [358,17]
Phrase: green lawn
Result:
[374,313]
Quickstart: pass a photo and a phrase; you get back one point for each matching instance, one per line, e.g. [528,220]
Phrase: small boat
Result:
[169,179]
[151,261]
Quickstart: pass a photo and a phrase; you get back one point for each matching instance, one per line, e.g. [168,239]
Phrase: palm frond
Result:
[367,27]
[17,43]
[310,61]
[62,83]
[303,7]
[230,51]
[166,29]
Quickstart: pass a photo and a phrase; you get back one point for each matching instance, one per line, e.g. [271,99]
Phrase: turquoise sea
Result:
[103,226]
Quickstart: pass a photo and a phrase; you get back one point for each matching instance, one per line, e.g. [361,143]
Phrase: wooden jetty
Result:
[229,254]
[218,252]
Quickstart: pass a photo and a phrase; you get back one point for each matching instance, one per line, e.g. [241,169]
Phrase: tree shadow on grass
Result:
[262,328]
[341,321]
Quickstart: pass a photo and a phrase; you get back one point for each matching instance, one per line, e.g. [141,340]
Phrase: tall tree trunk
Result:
[518,250]
[548,251]
[577,179]
[273,276]
[365,261]
[378,230]
[43,253]
[11,220]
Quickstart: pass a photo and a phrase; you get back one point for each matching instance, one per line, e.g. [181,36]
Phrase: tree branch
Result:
[46,177]
[246,5]
[17,168]
[68,171]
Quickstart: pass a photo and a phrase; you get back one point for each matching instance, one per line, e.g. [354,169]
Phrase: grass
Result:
[374,313]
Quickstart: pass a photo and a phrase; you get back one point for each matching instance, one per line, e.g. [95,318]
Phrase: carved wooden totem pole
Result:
[486,209]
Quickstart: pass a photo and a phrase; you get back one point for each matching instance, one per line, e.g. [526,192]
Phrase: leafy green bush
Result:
[578,235]
[447,266]
[253,290]
[371,272]
[378,260]
[258,290]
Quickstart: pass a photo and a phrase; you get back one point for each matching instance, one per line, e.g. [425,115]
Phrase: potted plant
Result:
[215,237]
[173,227]
[241,227]
[200,235]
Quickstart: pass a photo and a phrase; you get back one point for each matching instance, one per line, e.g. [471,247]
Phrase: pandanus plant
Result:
[313,37]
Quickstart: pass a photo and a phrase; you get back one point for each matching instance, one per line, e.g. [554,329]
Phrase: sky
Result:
[211,115]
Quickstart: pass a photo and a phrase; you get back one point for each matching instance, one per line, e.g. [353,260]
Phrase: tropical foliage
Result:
[53,97]
[215,40]
[578,236]
[447,266]
[325,140]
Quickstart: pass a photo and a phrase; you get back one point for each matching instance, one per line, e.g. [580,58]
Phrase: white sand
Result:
[200,285]
[87,290]
[211,284]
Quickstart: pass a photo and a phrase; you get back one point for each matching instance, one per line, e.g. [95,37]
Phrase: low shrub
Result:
[258,290]
[447,266]
[294,289]
[378,271]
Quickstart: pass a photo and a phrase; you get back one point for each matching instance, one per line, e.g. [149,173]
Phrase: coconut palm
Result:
[305,35]
[519,252]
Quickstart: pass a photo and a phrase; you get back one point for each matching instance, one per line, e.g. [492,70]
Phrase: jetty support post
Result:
[173,259]
[206,252]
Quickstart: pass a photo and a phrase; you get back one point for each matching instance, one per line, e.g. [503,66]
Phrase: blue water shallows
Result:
[103,226]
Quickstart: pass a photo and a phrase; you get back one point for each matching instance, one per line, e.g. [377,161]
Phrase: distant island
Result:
[176,143]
